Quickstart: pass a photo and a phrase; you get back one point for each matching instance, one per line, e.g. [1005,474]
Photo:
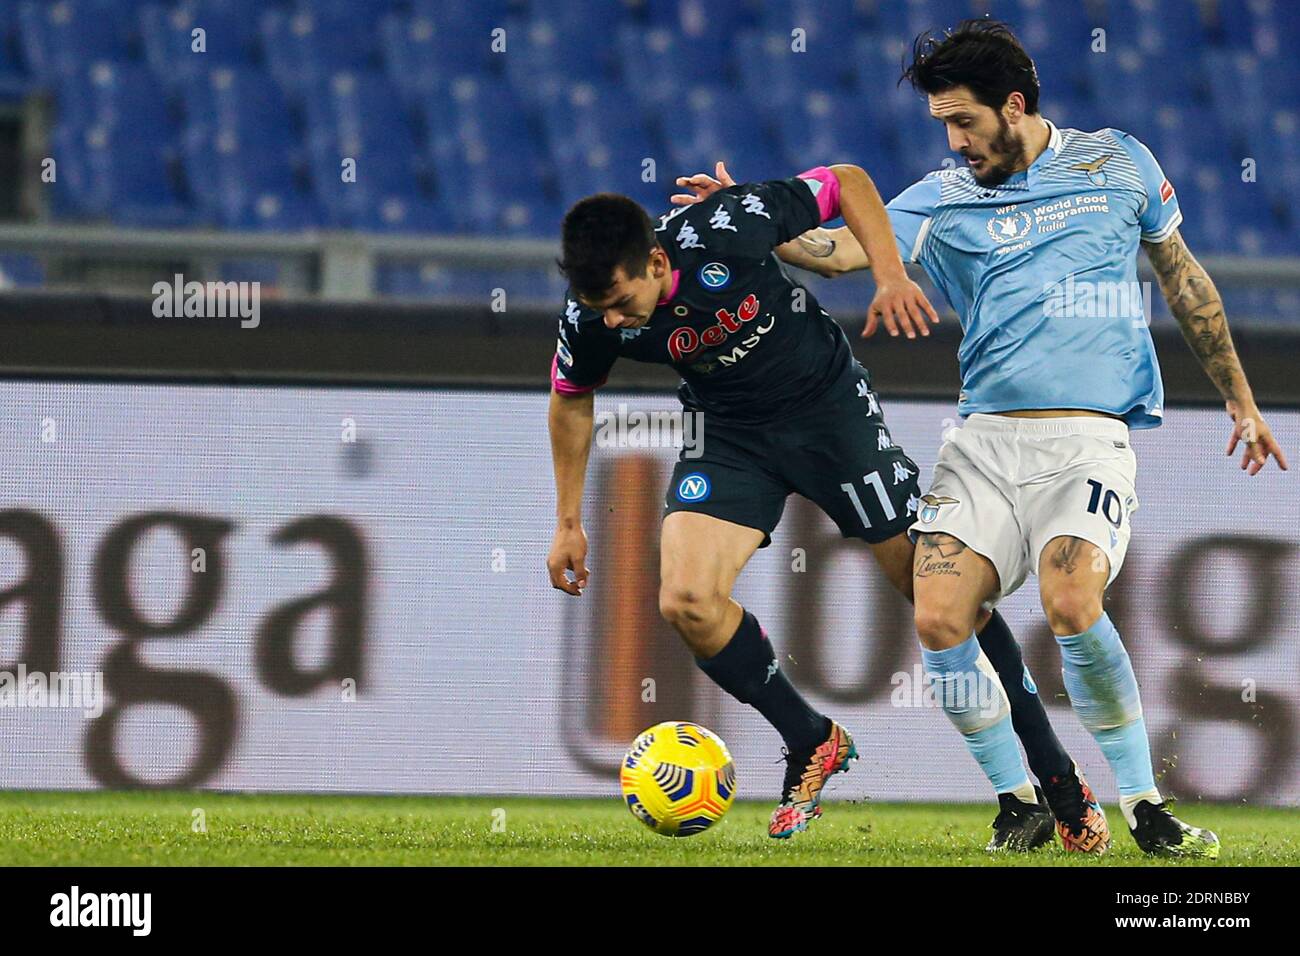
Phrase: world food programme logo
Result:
[694,487]
[1095,174]
[714,275]
[1009,228]
[930,505]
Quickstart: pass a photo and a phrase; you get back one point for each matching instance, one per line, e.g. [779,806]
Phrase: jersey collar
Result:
[1046,156]
[672,292]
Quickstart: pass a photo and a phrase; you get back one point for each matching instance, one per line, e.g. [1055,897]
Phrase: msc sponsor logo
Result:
[714,276]
[684,341]
[693,487]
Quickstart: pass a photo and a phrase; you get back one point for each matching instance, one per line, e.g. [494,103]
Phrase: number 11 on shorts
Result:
[872,480]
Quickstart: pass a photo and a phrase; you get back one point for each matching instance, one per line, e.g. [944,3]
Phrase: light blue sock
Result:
[1104,693]
[965,683]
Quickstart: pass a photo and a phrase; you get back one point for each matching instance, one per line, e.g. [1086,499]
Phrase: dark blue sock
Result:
[1047,758]
[747,669]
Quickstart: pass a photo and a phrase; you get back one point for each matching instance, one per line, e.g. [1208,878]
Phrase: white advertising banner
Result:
[343,590]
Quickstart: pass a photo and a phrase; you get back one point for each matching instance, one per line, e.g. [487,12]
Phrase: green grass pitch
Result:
[146,828]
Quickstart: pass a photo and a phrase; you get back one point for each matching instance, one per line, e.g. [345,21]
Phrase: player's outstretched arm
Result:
[1198,307]
[570,421]
[827,252]
[898,301]
[866,241]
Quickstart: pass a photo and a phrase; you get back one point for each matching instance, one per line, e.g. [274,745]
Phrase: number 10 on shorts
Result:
[874,482]
[1107,501]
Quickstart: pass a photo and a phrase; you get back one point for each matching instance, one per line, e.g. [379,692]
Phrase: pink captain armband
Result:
[565,387]
[827,194]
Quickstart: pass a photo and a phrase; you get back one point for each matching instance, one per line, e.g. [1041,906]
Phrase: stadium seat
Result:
[717,123]
[599,141]
[62,37]
[660,67]
[112,176]
[167,33]
[302,45]
[1164,28]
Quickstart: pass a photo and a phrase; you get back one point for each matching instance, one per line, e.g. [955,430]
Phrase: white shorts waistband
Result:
[1095,425]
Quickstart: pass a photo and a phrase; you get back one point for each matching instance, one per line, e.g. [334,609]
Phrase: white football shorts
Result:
[1006,487]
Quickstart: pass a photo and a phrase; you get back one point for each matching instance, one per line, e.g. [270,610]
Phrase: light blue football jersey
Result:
[1042,271]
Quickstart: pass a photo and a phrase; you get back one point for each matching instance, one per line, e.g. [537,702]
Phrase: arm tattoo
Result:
[817,243]
[1196,304]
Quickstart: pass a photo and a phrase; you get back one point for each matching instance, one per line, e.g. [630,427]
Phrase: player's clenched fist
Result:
[903,307]
[568,553]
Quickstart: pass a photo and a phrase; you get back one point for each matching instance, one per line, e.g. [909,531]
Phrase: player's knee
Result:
[1071,610]
[940,627]
[690,610]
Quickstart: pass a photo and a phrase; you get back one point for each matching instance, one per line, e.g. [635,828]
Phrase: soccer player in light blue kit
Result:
[1034,242]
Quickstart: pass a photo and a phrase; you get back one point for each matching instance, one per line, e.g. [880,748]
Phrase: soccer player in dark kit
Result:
[786,409]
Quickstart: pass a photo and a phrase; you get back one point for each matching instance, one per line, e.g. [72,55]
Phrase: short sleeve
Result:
[584,353]
[910,213]
[1159,215]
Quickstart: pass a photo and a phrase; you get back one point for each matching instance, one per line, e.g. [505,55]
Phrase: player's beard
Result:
[1009,150]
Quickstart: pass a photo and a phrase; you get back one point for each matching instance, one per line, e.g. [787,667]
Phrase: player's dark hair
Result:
[983,55]
[601,233]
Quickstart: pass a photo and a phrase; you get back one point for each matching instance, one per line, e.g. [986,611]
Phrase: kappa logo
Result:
[1096,175]
[693,487]
[930,505]
[565,355]
[571,312]
[688,238]
[714,276]
[752,204]
[1009,228]
[721,219]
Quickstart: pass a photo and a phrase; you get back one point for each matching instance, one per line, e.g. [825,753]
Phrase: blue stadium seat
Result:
[717,123]
[352,119]
[113,176]
[599,141]
[1263,27]
[167,33]
[661,67]
[1160,27]
[240,102]
[1059,37]
[828,126]
[1126,83]
[14,79]
[111,94]
[61,37]
[492,170]
[905,19]
[302,45]
[545,53]
[1237,93]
